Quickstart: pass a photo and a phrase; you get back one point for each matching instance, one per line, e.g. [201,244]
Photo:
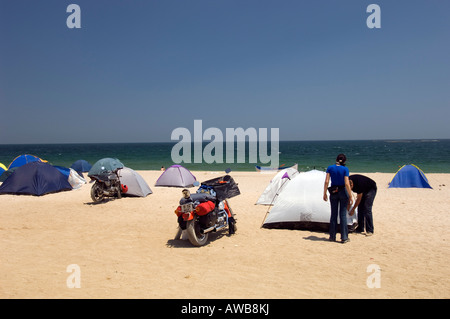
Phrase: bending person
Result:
[366,190]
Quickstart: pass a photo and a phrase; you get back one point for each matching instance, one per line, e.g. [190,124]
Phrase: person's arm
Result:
[349,191]
[358,200]
[325,187]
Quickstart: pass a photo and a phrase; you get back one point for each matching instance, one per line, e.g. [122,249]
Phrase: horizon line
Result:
[207,142]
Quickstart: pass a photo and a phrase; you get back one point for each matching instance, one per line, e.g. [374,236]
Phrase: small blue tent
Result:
[3,168]
[81,166]
[24,159]
[409,176]
[6,174]
[35,178]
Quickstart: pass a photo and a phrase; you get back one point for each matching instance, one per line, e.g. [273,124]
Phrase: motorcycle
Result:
[107,184]
[207,210]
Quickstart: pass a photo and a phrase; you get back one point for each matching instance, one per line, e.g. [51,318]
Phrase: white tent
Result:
[176,176]
[276,185]
[136,185]
[75,180]
[301,205]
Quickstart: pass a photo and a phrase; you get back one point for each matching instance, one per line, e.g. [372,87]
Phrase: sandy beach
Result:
[125,248]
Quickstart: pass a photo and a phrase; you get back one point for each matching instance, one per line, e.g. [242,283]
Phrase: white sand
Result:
[125,248]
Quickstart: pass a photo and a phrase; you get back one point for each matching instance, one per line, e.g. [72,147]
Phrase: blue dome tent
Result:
[35,178]
[409,176]
[24,159]
[3,168]
[81,166]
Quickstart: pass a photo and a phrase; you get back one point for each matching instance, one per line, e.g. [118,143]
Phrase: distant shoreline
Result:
[387,140]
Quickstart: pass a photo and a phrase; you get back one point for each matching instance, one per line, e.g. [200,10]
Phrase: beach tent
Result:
[64,170]
[3,168]
[136,185]
[7,173]
[176,176]
[24,159]
[75,180]
[35,178]
[105,165]
[81,166]
[276,185]
[268,169]
[4,172]
[409,176]
[301,206]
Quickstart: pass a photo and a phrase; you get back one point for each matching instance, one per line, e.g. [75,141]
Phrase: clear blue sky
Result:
[136,70]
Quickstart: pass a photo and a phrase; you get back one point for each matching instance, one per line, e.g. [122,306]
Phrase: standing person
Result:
[340,196]
[366,190]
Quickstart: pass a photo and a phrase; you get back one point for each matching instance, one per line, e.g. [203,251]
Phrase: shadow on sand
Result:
[185,243]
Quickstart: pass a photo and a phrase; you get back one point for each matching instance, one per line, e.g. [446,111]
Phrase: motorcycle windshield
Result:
[105,165]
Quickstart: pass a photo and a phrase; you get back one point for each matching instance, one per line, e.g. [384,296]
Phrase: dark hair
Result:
[341,158]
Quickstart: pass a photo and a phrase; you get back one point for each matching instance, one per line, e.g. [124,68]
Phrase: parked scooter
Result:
[207,210]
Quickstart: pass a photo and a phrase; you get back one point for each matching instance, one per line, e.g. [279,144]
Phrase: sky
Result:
[137,70]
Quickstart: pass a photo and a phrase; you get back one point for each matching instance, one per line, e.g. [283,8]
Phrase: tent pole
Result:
[273,199]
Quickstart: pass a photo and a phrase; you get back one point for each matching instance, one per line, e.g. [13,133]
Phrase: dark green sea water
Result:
[432,156]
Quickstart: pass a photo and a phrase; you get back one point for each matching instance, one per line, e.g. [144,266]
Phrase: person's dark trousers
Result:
[338,202]
[365,217]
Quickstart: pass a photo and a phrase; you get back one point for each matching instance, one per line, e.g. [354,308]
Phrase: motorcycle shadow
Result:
[104,201]
[185,243]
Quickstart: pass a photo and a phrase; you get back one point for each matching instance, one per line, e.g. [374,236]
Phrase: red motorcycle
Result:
[207,210]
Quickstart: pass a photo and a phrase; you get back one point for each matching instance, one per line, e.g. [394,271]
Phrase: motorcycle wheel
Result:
[232,228]
[195,236]
[96,193]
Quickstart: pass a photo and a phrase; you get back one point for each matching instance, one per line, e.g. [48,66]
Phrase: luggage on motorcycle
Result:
[203,197]
[225,187]
[200,197]
[204,208]
[208,220]
[206,189]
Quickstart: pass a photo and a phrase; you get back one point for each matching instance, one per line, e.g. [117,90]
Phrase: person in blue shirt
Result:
[340,197]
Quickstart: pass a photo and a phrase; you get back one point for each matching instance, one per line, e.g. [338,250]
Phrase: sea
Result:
[365,156]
